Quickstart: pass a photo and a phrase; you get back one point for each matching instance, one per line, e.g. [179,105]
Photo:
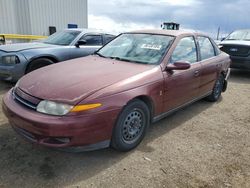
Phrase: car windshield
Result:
[138,48]
[239,35]
[62,38]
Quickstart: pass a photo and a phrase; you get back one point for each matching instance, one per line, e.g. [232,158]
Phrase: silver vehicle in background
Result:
[19,59]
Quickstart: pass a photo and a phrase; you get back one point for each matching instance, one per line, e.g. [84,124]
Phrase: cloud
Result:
[107,24]
[178,2]
[201,15]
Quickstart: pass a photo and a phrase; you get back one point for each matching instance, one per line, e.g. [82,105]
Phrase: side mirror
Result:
[179,65]
[80,43]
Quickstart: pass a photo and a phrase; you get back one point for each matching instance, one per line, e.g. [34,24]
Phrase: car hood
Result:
[235,42]
[72,81]
[24,46]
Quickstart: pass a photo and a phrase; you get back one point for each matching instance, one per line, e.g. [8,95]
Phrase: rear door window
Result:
[206,48]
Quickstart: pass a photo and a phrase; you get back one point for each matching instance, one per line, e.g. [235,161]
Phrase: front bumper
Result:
[228,74]
[60,132]
[226,80]
[11,73]
[240,62]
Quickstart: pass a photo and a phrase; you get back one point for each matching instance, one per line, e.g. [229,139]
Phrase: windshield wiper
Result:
[122,59]
[97,53]
[128,60]
[117,58]
[54,43]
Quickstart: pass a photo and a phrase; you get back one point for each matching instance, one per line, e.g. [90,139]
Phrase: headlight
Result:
[52,108]
[10,60]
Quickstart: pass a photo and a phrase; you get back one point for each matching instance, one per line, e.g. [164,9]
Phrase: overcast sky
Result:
[206,16]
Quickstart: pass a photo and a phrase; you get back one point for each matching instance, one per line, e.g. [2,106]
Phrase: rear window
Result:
[206,48]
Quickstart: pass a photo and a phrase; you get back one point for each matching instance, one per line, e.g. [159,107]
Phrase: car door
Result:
[182,86]
[93,43]
[210,64]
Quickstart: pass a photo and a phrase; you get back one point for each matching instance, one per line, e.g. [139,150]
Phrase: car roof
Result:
[169,32]
[85,30]
[242,30]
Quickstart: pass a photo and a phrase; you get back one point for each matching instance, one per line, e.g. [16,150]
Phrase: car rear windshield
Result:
[62,38]
[239,35]
[138,48]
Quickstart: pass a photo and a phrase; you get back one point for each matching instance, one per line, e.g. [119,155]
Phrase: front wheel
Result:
[218,87]
[131,126]
[38,63]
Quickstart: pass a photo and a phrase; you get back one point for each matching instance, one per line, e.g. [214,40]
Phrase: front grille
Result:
[236,50]
[24,99]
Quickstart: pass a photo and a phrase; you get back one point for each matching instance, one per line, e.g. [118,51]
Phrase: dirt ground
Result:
[203,145]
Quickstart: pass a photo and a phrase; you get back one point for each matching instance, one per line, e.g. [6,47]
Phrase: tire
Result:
[131,126]
[38,63]
[218,87]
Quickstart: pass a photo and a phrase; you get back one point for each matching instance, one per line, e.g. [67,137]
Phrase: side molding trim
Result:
[165,114]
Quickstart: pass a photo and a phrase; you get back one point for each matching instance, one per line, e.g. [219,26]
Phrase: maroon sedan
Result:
[111,97]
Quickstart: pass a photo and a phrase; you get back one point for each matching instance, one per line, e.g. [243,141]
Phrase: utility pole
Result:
[218,33]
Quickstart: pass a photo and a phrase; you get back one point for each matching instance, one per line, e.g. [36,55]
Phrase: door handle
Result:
[196,73]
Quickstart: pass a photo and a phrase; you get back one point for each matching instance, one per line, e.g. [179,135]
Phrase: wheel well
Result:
[47,57]
[223,73]
[148,101]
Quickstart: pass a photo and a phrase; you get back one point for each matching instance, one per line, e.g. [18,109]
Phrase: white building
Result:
[34,17]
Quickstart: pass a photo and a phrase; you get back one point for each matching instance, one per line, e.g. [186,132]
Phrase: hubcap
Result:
[132,126]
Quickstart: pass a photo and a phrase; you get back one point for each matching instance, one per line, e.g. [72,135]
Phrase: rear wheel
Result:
[131,126]
[216,93]
[38,63]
